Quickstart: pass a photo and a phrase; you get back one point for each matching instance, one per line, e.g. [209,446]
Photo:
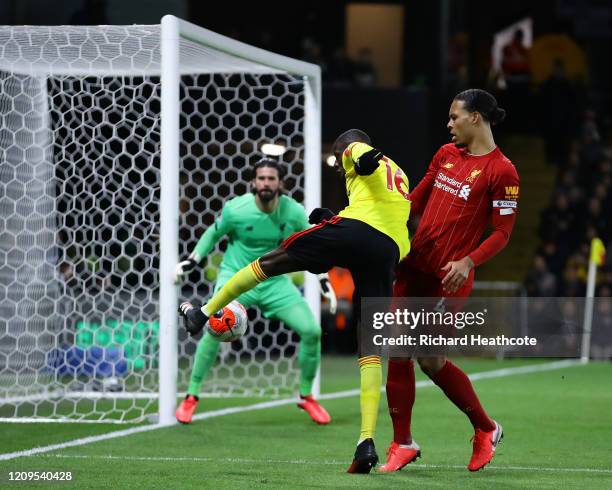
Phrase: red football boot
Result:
[484,445]
[184,412]
[317,412]
[399,456]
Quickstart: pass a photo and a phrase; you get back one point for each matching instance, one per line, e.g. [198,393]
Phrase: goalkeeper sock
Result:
[300,319]
[205,357]
[371,382]
[245,279]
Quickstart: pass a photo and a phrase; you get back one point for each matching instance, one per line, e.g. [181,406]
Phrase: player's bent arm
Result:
[368,162]
[496,241]
[362,157]
[221,226]
[319,214]
[205,244]
[504,194]
[327,291]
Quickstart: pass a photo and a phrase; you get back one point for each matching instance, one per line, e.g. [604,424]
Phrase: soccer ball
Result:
[228,324]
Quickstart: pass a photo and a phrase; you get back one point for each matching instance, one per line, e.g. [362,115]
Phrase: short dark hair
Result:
[351,135]
[481,101]
[270,163]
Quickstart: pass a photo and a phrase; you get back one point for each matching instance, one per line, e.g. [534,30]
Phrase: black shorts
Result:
[369,254]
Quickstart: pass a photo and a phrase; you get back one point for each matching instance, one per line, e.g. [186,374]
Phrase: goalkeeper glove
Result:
[328,292]
[320,214]
[185,266]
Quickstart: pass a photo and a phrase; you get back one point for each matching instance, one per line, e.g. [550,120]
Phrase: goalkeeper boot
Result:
[193,318]
[484,445]
[317,413]
[184,412]
[399,455]
[365,457]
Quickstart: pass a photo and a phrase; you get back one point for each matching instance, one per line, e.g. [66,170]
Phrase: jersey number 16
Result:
[399,179]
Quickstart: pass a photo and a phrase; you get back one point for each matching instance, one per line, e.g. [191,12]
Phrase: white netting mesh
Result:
[101,50]
[79,213]
[224,121]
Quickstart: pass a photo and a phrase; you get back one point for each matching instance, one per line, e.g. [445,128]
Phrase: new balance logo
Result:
[473,175]
[464,193]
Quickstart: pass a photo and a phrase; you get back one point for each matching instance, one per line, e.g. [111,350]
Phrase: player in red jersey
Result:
[469,184]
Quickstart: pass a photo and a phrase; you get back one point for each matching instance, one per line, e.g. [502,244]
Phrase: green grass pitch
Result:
[557,424]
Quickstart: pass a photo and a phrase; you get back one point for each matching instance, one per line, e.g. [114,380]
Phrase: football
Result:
[228,324]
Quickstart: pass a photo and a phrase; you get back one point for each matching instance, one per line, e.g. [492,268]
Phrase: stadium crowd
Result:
[580,206]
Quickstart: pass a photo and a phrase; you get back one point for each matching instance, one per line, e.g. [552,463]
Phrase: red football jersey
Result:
[459,195]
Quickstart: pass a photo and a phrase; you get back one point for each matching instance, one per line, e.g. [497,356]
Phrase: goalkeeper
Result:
[255,224]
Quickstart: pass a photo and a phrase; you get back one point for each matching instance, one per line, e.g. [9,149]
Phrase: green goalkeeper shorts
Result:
[271,296]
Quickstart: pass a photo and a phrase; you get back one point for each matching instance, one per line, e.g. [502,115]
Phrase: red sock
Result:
[400,398]
[458,388]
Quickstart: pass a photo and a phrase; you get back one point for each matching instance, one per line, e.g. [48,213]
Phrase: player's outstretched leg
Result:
[299,318]
[458,388]
[204,358]
[193,318]
[274,263]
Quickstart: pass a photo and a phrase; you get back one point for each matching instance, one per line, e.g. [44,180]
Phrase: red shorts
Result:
[413,283]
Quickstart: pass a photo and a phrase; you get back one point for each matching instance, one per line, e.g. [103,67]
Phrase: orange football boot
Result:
[184,412]
[317,413]
[484,445]
[399,456]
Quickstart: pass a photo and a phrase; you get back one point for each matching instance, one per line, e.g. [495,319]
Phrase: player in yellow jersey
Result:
[368,238]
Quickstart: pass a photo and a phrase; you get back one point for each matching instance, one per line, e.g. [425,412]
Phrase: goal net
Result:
[119,146]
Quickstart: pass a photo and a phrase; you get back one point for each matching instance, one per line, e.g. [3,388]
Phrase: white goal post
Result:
[173,30]
[119,146]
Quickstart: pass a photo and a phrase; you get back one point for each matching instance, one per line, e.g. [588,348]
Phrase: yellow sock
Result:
[246,278]
[371,382]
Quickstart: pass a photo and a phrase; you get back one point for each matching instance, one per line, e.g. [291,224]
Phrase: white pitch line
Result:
[325,463]
[496,373]
[62,420]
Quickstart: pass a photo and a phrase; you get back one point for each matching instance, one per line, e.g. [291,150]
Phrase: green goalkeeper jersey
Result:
[251,232]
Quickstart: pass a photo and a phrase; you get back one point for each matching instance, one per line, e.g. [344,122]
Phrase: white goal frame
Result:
[172,30]
[175,62]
